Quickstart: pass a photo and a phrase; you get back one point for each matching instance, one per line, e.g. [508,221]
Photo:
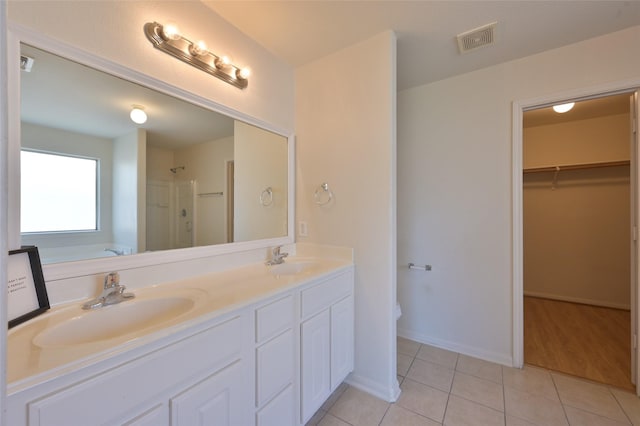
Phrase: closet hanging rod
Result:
[577,166]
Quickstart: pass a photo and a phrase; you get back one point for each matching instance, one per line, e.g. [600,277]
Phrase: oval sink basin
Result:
[120,320]
[291,268]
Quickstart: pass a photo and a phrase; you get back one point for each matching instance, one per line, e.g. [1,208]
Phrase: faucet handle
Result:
[276,251]
[111,280]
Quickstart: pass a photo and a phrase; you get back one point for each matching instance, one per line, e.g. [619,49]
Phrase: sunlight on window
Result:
[58,193]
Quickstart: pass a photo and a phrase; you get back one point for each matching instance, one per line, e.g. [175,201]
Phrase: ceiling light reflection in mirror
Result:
[187,177]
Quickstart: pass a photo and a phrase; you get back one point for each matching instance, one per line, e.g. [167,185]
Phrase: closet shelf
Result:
[576,166]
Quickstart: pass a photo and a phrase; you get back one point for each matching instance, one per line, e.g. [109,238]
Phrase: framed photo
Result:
[26,290]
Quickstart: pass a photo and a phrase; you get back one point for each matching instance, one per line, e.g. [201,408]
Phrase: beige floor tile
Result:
[359,408]
[579,417]
[591,397]
[398,416]
[479,368]
[461,412]
[330,420]
[424,400]
[478,390]
[533,380]
[438,356]
[315,419]
[483,393]
[431,374]
[404,362]
[515,421]
[630,404]
[533,408]
[334,396]
[407,347]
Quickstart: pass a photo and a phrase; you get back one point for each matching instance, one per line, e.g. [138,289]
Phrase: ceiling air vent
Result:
[477,38]
[26,63]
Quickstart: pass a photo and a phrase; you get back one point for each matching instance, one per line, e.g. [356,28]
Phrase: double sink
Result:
[152,309]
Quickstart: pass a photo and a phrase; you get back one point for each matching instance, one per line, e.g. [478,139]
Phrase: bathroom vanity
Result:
[263,345]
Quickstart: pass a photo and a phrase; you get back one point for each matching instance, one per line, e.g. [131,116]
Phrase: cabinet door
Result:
[316,362]
[219,400]
[341,341]
[157,416]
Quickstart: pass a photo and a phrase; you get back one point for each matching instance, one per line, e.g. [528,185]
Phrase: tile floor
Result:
[440,387]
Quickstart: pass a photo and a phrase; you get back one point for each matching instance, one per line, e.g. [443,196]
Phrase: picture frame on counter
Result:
[26,290]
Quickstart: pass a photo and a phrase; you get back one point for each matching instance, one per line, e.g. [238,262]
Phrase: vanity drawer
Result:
[274,367]
[274,318]
[323,295]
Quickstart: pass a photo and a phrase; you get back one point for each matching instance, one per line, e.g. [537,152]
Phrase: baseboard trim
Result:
[583,301]
[376,389]
[495,357]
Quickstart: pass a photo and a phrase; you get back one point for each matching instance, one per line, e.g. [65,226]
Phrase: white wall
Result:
[159,163]
[260,163]
[129,188]
[206,164]
[577,236]
[576,142]
[454,189]
[345,136]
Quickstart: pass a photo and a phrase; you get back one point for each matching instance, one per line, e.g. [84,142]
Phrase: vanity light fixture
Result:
[138,115]
[168,39]
[561,109]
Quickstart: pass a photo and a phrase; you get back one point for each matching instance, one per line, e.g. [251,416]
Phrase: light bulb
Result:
[138,115]
[563,108]
[199,48]
[222,62]
[243,73]
[170,31]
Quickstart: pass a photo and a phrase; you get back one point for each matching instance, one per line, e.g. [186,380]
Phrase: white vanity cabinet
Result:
[271,361]
[326,334]
[186,382]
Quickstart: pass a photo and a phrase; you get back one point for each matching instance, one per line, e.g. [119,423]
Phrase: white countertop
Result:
[217,294]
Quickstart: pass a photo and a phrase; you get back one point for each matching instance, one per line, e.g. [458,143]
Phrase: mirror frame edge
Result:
[18,34]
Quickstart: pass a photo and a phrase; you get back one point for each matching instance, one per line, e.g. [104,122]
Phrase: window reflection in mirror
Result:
[187,177]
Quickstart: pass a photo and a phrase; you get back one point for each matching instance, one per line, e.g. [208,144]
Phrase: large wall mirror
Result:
[95,184]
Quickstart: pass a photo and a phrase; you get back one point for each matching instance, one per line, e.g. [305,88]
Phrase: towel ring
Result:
[266,197]
[323,194]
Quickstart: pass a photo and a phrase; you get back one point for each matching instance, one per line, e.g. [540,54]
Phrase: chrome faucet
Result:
[276,257]
[112,293]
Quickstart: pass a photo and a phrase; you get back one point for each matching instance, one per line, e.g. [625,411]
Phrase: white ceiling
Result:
[301,31]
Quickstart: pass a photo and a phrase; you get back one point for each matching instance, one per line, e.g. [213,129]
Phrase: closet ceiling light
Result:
[563,108]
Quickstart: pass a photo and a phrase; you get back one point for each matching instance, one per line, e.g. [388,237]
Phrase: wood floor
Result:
[581,340]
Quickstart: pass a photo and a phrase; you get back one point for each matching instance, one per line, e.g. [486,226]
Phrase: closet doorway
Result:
[577,248]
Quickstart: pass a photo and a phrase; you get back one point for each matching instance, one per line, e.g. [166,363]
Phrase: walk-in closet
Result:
[578,240]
